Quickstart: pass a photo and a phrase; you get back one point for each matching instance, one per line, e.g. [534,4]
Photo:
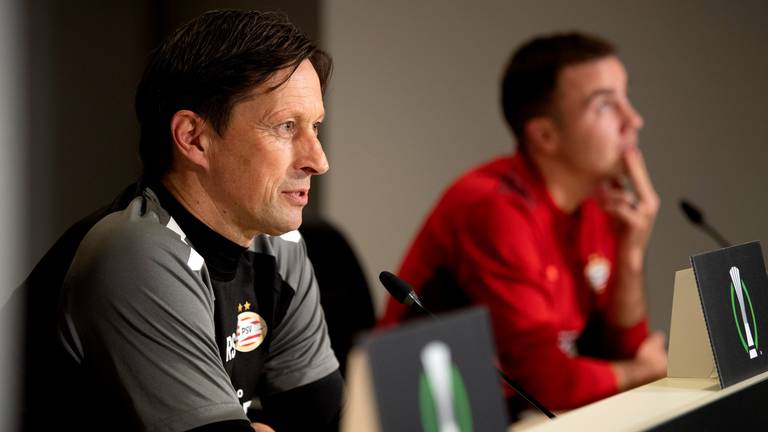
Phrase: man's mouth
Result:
[297,196]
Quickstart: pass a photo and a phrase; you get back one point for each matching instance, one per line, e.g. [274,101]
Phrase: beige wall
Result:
[414,102]
[12,108]
[11,229]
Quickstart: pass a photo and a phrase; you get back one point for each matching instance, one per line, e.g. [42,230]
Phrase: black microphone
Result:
[696,217]
[404,294]
[401,291]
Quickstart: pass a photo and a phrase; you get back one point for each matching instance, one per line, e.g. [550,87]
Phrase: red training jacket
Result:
[541,273]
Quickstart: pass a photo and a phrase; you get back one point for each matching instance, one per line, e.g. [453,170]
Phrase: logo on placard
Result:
[747,334]
[443,399]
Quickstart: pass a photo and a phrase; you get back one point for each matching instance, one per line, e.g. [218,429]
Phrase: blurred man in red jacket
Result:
[552,238]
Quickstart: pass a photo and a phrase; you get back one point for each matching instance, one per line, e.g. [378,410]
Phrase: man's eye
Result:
[605,105]
[286,129]
[316,128]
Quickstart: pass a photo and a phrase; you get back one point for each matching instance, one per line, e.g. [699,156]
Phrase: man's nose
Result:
[312,159]
[633,119]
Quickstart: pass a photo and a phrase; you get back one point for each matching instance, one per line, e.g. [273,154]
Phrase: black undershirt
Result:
[221,255]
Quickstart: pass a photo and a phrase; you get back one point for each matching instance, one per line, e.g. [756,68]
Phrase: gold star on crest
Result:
[247,306]
[239,307]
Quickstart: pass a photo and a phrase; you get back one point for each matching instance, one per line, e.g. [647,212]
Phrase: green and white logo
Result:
[747,334]
[443,399]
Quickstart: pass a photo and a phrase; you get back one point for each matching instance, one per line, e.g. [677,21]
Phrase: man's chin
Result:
[288,226]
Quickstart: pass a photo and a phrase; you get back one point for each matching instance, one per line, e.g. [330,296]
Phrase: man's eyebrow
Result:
[598,93]
[294,112]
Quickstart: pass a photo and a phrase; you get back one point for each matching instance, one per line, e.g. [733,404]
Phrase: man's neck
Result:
[191,194]
[221,255]
[567,188]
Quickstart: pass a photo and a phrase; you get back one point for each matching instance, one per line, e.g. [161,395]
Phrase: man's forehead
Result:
[581,80]
[286,87]
[277,81]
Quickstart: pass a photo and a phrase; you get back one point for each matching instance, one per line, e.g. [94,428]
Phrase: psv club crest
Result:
[251,329]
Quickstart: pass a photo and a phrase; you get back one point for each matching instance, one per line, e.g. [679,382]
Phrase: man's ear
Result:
[541,135]
[190,140]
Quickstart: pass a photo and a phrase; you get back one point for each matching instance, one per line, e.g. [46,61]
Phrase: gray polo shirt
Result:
[167,346]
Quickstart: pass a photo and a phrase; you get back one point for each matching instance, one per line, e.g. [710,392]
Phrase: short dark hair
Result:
[210,64]
[530,78]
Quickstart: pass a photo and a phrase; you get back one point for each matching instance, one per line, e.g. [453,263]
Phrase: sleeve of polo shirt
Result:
[300,352]
[499,255]
[139,317]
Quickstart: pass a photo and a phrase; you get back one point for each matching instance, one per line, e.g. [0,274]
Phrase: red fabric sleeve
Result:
[500,267]
[625,341]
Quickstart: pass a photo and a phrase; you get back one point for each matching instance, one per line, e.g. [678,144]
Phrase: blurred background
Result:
[413,103]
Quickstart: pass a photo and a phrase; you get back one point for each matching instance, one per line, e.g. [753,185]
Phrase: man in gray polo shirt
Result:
[191,294]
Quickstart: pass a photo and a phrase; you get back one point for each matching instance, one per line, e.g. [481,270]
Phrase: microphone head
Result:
[691,212]
[398,288]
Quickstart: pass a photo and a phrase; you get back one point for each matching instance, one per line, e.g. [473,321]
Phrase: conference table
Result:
[669,404]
